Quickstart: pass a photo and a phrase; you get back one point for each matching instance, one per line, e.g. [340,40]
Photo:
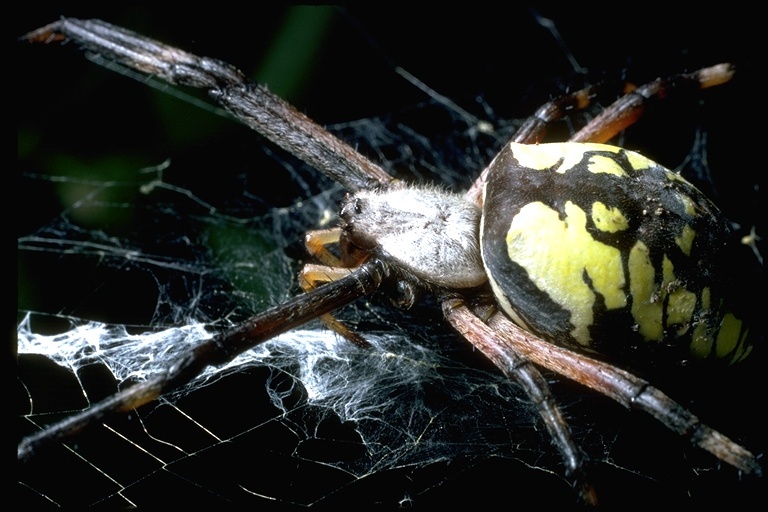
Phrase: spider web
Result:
[147,225]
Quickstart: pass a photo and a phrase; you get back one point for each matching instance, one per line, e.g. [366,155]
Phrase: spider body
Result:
[588,245]
[634,272]
[599,248]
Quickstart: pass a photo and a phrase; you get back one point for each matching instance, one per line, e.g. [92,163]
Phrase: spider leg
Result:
[310,277]
[332,268]
[627,389]
[535,127]
[621,114]
[216,351]
[252,104]
[317,242]
[517,367]
[627,110]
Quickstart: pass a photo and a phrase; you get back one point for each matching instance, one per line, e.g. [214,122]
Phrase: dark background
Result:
[75,117]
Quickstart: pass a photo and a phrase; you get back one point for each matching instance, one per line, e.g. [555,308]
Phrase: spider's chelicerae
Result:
[595,251]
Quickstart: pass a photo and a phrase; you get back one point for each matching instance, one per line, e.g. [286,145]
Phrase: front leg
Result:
[333,268]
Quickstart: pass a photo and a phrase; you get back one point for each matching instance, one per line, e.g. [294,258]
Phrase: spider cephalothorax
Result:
[427,232]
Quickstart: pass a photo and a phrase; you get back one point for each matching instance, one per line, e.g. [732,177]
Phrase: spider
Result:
[358,175]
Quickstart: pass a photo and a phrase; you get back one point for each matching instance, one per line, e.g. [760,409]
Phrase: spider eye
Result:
[351,207]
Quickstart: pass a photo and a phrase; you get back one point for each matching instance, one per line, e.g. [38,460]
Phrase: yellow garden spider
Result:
[353,180]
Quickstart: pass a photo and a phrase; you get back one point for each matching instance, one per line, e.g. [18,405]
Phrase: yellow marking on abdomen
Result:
[556,253]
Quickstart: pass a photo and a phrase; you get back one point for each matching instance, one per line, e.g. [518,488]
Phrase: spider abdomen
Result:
[600,248]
